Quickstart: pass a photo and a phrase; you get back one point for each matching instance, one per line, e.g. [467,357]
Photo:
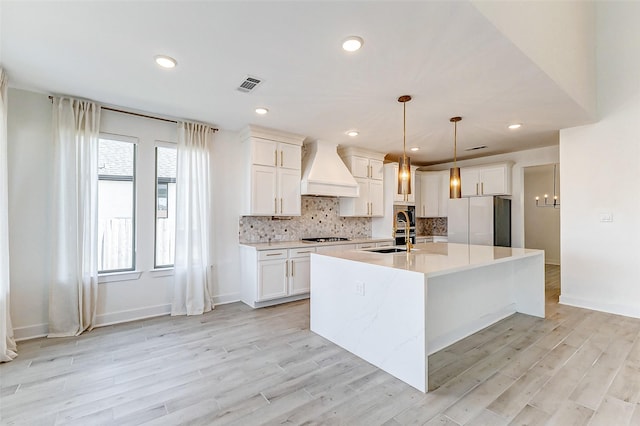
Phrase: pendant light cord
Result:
[455,142]
[404,131]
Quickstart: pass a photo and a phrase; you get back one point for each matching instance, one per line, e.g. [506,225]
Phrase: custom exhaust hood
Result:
[324,173]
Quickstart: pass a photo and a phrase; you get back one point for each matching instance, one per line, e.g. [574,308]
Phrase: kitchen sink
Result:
[388,250]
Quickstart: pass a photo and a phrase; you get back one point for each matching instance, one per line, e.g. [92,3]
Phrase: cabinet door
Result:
[272,279]
[359,167]
[299,275]
[362,201]
[377,169]
[289,156]
[288,192]
[263,152]
[376,198]
[493,180]
[263,190]
[444,194]
[431,190]
[469,181]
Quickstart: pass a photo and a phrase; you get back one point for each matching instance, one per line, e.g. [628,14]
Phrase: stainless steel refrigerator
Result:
[480,220]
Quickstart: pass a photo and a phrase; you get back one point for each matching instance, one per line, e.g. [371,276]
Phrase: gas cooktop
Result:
[324,239]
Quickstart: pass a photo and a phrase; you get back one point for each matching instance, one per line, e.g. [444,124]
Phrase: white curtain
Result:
[192,292]
[74,286]
[7,343]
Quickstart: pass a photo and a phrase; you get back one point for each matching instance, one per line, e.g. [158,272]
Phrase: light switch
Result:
[606,217]
[359,288]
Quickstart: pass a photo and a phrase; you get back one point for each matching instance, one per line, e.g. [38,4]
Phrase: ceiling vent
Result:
[249,84]
[476,148]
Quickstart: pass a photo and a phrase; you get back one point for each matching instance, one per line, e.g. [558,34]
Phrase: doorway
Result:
[542,221]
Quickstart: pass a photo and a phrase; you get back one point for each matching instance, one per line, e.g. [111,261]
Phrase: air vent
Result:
[476,148]
[249,84]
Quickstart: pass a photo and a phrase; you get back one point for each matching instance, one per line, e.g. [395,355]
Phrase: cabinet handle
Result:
[281,158]
[280,205]
[477,193]
[308,251]
[423,210]
[293,271]
[370,171]
[286,265]
[275,205]
[481,188]
[275,158]
[274,254]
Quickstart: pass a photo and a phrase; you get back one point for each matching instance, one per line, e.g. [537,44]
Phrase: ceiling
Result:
[446,55]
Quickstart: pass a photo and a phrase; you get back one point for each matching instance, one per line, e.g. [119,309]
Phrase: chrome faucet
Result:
[407,229]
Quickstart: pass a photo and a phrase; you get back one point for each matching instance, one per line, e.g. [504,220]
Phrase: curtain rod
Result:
[137,114]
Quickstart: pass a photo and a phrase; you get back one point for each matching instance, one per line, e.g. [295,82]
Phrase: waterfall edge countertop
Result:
[433,259]
[395,309]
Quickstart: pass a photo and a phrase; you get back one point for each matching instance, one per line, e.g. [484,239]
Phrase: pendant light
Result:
[555,202]
[404,162]
[455,184]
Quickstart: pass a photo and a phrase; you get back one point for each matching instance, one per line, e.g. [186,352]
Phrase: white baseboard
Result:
[223,299]
[30,332]
[41,330]
[132,315]
[611,308]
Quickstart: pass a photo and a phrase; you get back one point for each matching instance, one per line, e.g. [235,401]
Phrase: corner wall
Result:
[600,175]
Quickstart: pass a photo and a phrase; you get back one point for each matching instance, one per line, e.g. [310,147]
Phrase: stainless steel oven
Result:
[401,225]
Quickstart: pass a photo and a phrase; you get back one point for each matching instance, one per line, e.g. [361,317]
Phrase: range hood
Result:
[324,173]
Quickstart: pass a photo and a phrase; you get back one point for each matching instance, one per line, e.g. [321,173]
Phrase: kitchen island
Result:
[394,309]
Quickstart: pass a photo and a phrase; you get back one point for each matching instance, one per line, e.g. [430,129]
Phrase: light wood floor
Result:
[248,367]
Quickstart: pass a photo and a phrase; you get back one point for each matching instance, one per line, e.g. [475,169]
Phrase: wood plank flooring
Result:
[238,366]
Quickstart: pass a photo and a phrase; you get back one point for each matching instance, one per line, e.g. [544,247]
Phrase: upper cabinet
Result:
[432,193]
[272,178]
[400,198]
[367,169]
[493,179]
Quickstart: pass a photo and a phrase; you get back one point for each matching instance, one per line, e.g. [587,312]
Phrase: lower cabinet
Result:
[283,273]
[274,276]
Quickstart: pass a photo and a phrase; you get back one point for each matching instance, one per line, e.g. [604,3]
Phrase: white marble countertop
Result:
[433,259]
[276,245]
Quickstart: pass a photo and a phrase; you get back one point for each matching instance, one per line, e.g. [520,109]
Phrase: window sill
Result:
[119,276]
[161,272]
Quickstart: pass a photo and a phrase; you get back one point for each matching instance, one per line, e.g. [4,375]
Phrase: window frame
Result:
[170,145]
[134,211]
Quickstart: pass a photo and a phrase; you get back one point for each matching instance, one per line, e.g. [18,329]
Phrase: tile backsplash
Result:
[432,226]
[319,218]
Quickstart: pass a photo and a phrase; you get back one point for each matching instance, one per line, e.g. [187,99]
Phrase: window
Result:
[166,159]
[116,203]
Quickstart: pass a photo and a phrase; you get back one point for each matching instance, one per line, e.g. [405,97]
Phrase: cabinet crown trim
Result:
[359,152]
[253,131]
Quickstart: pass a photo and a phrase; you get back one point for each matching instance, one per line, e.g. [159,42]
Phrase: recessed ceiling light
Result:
[352,43]
[166,61]
[414,149]
[261,111]
[352,133]
[514,126]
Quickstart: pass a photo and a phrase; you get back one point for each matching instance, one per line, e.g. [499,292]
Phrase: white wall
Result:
[521,159]
[541,224]
[30,171]
[600,174]
[29,154]
[559,36]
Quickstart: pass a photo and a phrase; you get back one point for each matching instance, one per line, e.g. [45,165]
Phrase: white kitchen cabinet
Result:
[367,169]
[432,192]
[494,179]
[273,161]
[399,198]
[275,276]
[272,275]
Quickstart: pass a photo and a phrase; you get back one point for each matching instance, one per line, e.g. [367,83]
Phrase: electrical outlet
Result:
[359,288]
[606,217]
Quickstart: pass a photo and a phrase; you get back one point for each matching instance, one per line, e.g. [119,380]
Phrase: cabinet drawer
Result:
[385,244]
[301,252]
[365,245]
[272,254]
